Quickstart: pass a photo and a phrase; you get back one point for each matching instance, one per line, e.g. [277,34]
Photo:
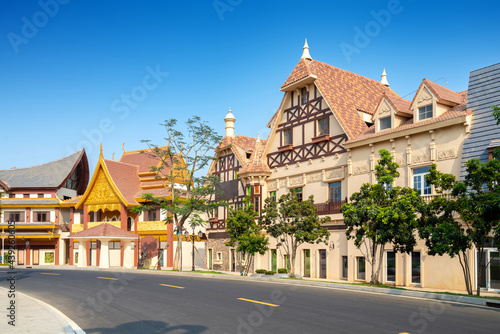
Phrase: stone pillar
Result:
[104,257]
[82,253]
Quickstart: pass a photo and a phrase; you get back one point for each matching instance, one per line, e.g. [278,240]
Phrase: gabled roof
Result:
[443,94]
[125,178]
[246,143]
[401,105]
[104,230]
[456,112]
[256,163]
[344,91]
[48,175]
[141,159]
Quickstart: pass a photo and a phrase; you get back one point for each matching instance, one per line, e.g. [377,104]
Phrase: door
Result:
[233,260]
[20,256]
[490,271]
[36,257]
[210,259]
[93,253]
[307,263]
[495,270]
[322,263]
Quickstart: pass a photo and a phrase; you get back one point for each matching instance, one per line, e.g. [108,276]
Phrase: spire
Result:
[258,136]
[100,154]
[384,81]
[229,119]
[306,54]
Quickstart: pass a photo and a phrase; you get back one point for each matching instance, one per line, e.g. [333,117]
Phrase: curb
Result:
[397,292]
[69,326]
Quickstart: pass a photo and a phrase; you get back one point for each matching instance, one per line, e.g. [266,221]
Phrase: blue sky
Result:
[67,67]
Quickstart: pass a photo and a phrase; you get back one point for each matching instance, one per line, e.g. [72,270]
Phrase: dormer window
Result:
[425,112]
[385,123]
[303,96]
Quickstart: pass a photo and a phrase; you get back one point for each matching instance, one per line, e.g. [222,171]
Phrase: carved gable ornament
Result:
[385,109]
[425,96]
[102,195]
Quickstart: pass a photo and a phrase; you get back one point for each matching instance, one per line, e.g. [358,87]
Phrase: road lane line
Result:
[255,301]
[49,274]
[173,286]
[116,279]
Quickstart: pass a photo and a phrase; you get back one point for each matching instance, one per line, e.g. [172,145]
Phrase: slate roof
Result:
[345,92]
[29,201]
[47,175]
[104,230]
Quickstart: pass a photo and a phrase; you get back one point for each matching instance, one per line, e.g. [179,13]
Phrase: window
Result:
[390,266]
[26,195]
[419,182]
[256,189]
[40,195]
[219,256]
[256,204]
[12,195]
[287,137]
[274,260]
[298,192]
[272,195]
[344,267]
[249,190]
[235,174]
[334,191]
[303,95]
[425,112]
[114,245]
[415,267]
[41,216]
[385,123]
[93,244]
[17,216]
[151,215]
[323,126]
[361,268]
[210,258]
[285,261]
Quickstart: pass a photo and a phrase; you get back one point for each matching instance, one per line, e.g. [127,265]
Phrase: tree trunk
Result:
[292,262]
[465,269]
[479,270]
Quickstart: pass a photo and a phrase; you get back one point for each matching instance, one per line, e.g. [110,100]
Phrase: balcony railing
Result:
[428,198]
[329,208]
[216,225]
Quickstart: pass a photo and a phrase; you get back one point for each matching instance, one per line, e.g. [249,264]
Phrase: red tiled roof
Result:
[455,112]
[246,143]
[143,158]
[256,163]
[443,93]
[104,230]
[125,177]
[401,105]
[345,92]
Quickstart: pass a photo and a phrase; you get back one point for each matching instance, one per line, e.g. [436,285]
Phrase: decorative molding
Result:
[362,169]
[447,153]
[420,158]
[283,184]
[401,161]
[271,185]
[312,178]
[425,96]
[337,173]
[295,181]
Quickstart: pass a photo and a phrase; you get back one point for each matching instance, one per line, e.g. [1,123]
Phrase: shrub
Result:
[282,271]
[260,271]
[269,273]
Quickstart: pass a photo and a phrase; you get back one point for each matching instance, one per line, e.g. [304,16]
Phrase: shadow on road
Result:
[148,327]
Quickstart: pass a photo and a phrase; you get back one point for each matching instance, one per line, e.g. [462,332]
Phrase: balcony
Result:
[329,208]
[216,225]
[428,198]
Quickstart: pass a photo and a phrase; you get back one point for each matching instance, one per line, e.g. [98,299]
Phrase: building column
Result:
[170,249]
[85,217]
[28,215]
[82,253]
[104,257]
[70,252]
[56,253]
[123,216]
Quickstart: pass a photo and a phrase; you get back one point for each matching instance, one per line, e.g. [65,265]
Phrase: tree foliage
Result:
[246,233]
[380,214]
[184,156]
[475,200]
[293,223]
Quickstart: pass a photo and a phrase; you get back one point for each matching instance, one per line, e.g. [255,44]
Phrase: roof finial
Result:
[384,81]
[306,54]
[100,154]
[229,119]
[258,136]
[113,156]
[123,147]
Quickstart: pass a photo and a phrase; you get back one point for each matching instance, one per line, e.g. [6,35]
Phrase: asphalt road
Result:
[116,302]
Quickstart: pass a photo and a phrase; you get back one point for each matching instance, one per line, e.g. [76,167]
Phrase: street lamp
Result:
[3,252]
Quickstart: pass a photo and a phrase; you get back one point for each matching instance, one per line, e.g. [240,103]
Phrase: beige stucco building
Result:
[324,141]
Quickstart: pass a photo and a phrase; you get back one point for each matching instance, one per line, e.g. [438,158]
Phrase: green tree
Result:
[476,201]
[246,233]
[293,223]
[380,214]
[181,160]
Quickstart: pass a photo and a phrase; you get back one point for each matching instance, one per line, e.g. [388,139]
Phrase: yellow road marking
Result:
[404,333]
[255,301]
[116,279]
[173,286]
[49,274]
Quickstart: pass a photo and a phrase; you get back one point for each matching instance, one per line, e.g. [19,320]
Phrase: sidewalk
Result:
[34,316]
